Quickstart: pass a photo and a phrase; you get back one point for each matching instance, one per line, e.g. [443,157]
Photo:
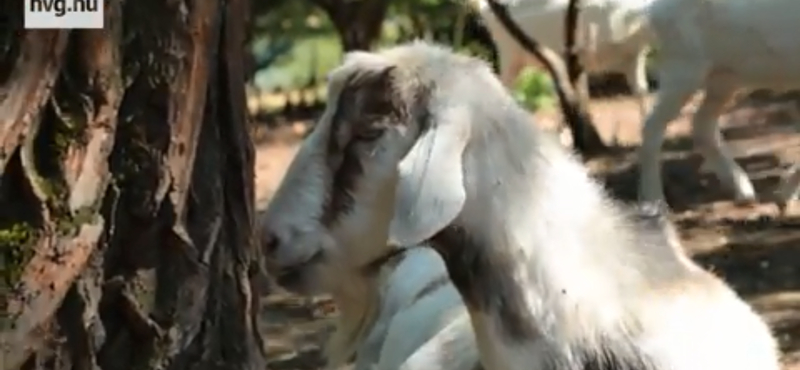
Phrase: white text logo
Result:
[86,14]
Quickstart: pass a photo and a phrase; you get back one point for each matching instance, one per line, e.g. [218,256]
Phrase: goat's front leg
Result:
[512,61]
[789,188]
[679,80]
[711,145]
[636,77]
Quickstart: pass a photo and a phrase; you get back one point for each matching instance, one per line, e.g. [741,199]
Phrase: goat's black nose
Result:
[269,241]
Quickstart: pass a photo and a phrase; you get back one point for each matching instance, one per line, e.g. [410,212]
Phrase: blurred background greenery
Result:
[295,42]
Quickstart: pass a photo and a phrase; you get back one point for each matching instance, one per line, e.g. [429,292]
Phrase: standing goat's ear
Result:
[430,192]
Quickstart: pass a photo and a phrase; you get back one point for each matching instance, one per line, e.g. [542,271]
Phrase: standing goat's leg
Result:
[789,188]
[511,64]
[679,80]
[711,145]
[636,77]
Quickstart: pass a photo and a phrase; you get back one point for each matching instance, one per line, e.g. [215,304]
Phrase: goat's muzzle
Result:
[294,277]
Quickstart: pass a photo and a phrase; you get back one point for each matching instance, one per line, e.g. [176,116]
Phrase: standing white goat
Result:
[614,38]
[390,309]
[718,47]
[555,274]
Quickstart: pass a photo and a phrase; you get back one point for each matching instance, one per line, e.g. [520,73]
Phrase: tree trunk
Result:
[126,192]
[578,77]
[585,137]
[357,22]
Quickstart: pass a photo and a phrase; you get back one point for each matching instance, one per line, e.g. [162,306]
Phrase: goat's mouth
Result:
[295,277]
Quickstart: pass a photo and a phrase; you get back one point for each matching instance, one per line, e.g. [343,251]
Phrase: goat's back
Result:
[604,25]
[704,324]
[746,39]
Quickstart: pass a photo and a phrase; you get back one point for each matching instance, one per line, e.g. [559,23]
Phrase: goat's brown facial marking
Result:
[367,107]
[337,199]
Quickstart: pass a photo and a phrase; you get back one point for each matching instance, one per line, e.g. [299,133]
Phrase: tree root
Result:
[30,84]
[44,283]
[64,246]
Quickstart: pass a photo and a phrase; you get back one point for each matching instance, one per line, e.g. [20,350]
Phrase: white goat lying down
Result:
[718,47]
[390,309]
[418,143]
[613,37]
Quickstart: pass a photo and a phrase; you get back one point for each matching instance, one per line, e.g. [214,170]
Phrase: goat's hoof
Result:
[782,202]
[651,208]
[785,207]
[782,207]
[745,200]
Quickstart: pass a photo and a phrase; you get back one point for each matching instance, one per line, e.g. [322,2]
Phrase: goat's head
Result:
[384,162]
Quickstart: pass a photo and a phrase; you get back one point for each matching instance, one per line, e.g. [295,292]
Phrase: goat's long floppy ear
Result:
[430,192]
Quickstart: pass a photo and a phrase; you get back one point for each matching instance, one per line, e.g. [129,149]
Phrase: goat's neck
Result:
[537,236]
[358,301]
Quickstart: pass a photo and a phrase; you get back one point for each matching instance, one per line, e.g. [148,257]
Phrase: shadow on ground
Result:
[761,260]
[765,142]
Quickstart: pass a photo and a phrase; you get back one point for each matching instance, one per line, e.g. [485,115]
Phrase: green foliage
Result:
[15,251]
[315,45]
[309,57]
[291,19]
[534,89]
[426,19]
[281,30]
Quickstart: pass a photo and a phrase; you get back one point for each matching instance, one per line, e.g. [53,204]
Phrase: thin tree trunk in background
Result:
[126,192]
[586,139]
[357,22]
[577,74]
[571,33]
[459,26]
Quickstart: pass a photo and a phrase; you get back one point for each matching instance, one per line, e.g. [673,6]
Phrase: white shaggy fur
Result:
[555,275]
[613,37]
[414,318]
[719,47]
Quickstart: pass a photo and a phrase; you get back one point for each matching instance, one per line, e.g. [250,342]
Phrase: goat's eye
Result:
[371,134]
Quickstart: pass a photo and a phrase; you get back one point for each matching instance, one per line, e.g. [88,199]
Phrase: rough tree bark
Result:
[358,22]
[585,138]
[126,192]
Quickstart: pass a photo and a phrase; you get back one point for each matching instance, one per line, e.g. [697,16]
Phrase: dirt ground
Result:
[756,251]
